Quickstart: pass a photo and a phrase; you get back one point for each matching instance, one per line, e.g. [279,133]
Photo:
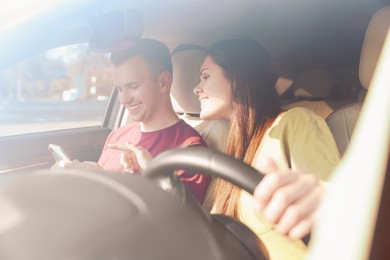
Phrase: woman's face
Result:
[214,92]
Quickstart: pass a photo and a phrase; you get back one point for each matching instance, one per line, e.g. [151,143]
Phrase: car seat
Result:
[342,121]
[313,89]
[186,61]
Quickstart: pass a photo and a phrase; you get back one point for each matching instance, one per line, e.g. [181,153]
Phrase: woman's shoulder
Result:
[299,113]
[297,119]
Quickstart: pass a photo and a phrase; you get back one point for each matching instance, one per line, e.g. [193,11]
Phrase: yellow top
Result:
[298,139]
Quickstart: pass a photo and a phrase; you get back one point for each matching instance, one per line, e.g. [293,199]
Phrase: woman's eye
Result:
[205,77]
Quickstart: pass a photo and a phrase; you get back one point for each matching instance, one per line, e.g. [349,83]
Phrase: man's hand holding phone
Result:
[58,153]
[63,160]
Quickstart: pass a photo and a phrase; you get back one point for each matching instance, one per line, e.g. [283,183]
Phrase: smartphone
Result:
[58,153]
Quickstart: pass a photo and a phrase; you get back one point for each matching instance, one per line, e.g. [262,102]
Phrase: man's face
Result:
[138,90]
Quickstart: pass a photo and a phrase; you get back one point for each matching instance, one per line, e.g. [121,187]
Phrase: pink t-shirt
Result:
[178,135]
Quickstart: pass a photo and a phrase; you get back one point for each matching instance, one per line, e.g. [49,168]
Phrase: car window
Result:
[62,88]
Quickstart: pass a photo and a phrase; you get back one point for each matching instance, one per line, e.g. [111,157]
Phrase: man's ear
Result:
[165,80]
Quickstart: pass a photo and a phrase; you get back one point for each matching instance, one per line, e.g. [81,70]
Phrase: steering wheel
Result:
[217,164]
[206,161]
[125,216]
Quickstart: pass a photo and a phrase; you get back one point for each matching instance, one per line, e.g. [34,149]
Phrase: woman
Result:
[237,84]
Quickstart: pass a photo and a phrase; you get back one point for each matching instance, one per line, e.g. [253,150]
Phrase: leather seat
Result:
[342,121]
[313,90]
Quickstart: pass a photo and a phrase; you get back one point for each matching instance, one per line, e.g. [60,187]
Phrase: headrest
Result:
[314,83]
[372,45]
[186,61]
[283,84]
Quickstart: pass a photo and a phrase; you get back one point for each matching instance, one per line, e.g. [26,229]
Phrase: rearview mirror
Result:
[116,30]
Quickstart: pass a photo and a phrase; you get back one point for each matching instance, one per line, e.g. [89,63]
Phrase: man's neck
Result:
[159,123]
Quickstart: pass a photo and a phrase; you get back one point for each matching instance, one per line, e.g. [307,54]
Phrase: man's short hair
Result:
[155,53]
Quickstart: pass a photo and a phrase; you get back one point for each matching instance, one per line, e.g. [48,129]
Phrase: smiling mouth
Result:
[203,100]
[133,107]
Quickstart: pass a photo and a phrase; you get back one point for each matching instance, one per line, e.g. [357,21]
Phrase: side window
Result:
[66,87]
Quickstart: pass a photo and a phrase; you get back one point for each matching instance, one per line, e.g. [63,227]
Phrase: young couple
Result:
[237,84]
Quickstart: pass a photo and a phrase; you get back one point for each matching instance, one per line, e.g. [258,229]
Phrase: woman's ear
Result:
[165,81]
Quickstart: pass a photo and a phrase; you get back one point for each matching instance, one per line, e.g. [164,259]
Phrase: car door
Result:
[45,101]
[53,87]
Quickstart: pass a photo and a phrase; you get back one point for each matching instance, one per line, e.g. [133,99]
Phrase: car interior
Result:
[326,54]
[342,121]
[309,76]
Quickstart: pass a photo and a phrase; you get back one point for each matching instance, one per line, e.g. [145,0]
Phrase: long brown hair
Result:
[248,66]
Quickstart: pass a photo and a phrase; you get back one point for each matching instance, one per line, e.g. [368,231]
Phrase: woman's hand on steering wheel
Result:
[289,199]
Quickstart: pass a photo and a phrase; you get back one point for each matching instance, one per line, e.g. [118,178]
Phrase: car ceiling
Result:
[298,34]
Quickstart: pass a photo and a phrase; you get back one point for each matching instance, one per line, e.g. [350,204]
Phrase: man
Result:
[143,77]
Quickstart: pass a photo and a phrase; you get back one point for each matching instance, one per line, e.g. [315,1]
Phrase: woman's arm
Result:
[289,199]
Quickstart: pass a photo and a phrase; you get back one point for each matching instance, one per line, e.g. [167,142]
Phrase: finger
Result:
[69,164]
[119,147]
[268,165]
[303,228]
[61,164]
[133,148]
[299,211]
[135,165]
[268,186]
[123,160]
[128,169]
[270,168]
[89,163]
[284,196]
[126,162]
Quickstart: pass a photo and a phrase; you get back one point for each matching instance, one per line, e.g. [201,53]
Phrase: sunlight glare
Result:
[13,12]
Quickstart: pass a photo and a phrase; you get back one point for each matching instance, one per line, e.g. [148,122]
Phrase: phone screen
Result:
[58,153]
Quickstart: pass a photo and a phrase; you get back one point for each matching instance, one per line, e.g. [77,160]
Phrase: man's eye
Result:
[119,89]
[205,77]
[132,86]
